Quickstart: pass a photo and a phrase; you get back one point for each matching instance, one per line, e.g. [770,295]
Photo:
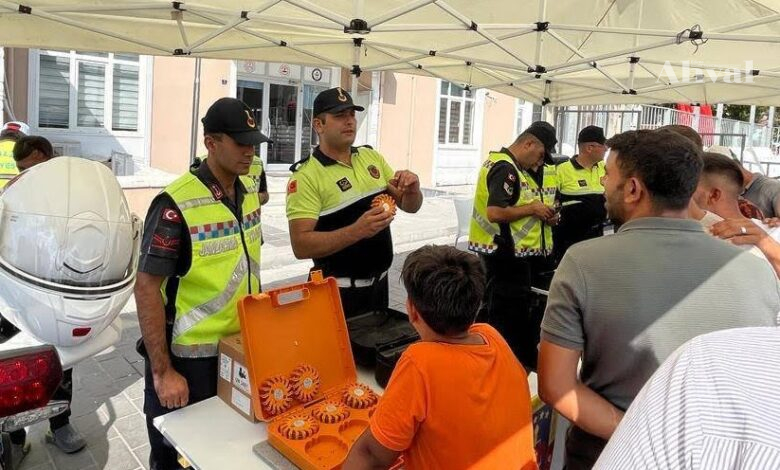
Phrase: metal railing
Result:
[737,135]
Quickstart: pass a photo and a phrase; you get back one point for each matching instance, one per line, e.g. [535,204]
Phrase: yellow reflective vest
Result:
[225,266]
[8,168]
[530,236]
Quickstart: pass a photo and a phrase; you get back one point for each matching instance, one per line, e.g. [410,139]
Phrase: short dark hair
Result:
[668,164]
[718,164]
[26,145]
[686,132]
[445,285]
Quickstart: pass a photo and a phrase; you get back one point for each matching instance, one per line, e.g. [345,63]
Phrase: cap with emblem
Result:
[546,134]
[234,118]
[334,101]
[591,134]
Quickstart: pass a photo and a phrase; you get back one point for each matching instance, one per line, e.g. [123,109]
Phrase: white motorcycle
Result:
[69,249]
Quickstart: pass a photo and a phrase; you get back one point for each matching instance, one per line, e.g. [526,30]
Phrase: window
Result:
[456,114]
[519,110]
[82,90]
[537,113]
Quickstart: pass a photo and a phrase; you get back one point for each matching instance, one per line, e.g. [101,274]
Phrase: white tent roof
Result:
[556,51]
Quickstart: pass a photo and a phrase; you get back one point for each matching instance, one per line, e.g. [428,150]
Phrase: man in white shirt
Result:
[713,405]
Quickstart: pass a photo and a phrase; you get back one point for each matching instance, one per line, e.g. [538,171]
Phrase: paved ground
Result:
[108,390]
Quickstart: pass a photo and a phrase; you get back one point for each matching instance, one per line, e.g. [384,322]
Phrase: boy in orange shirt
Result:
[459,398]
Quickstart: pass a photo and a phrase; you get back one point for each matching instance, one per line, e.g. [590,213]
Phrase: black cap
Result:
[234,118]
[334,101]
[591,134]
[546,134]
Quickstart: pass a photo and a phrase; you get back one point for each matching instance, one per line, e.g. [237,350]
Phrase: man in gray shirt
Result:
[762,191]
[625,302]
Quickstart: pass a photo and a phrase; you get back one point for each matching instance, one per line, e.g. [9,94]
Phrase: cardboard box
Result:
[233,385]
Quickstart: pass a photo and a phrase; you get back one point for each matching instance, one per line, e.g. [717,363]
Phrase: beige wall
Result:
[139,200]
[499,124]
[172,107]
[407,120]
[16,70]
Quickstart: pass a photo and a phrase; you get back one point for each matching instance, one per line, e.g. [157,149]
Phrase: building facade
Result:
[136,113]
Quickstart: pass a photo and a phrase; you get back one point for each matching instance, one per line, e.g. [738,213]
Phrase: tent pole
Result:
[432,74]
[471,24]
[576,51]
[78,24]
[425,55]
[539,34]
[195,111]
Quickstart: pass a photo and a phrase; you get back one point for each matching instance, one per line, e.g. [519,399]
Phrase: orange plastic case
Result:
[303,375]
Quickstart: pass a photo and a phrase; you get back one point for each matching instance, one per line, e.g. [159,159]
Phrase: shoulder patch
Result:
[292,187]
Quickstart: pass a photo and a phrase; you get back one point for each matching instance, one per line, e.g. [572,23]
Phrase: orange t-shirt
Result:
[454,406]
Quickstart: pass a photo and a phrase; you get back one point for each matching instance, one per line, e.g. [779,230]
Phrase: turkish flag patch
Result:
[292,187]
[171,215]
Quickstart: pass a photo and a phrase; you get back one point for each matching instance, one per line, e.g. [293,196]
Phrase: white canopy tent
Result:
[545,51]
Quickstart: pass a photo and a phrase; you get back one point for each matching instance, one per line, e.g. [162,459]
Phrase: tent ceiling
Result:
[545,51]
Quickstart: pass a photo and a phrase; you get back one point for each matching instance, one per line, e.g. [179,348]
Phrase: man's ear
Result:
[318,125]
[633,190]
[414,315]
[209,142]
[715,195]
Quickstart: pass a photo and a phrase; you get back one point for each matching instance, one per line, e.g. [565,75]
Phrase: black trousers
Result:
[201,376]
[357,300]
[582,449]
[567,234]
[510,307]
[63,392]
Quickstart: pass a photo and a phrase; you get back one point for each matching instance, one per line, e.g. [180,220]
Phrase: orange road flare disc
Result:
[331,412]
[305,382]
[385,201]
[276,395]
[359,396]
[299,427]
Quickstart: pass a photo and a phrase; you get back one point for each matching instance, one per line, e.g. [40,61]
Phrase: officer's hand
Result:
[171,388]
[541,211]
[405,181]
[739,232]
[554,220]
[372,222]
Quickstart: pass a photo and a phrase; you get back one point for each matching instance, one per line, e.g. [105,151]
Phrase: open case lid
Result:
[290,326]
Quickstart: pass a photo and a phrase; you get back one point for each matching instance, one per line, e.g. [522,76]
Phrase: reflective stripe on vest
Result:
[8,169]
[225,266]
[529,235]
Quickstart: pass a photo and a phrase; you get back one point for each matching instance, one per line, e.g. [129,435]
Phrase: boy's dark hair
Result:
[717,164]
[26,145]
[445,285]
[667,163]
[686,132]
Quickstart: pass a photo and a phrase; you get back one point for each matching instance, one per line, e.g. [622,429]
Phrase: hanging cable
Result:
[694,34]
